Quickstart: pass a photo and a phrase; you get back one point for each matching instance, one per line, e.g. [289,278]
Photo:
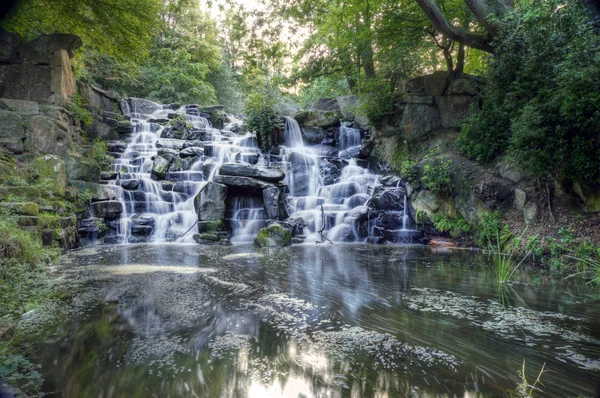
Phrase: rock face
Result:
[210,202]
[39,69]
[319,118]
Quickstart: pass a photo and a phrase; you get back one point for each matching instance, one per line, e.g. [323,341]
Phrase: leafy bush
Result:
[541,103]
[15,369]
[262,119]
[456,227]
[436,176]
[76,111]
[409,170]
[18,243]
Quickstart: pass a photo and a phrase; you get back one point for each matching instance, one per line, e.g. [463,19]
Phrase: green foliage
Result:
[437,177]
[98,152]
[409,170]
[456,227]
[322,87]
[76,111]
[541,103]
[122,29]
[262,119]
[15,369]
[17,243]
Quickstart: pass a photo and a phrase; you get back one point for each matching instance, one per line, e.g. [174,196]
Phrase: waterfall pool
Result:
[344,320]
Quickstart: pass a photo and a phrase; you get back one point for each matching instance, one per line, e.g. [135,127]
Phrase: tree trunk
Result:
[442,25]
[460,61]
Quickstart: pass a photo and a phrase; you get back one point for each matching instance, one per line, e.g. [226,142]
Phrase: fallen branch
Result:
[323,237]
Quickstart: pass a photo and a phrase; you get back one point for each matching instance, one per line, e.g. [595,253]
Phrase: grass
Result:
[590,266]
[507,257]
[526,389]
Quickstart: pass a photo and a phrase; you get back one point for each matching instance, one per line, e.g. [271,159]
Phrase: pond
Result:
[352,320]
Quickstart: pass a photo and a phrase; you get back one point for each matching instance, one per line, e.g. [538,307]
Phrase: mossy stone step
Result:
[22,208]
[30,194]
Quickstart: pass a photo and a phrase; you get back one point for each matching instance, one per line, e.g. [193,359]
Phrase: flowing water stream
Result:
[345,320]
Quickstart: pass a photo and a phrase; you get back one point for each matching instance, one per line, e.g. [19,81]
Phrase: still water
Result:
[175,320]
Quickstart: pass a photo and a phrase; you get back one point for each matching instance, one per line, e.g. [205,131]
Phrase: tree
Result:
[121,28]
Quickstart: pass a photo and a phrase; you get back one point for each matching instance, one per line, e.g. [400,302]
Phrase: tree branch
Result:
[441,24]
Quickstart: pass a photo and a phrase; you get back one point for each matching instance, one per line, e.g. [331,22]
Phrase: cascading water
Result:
[159,176]
[174,152]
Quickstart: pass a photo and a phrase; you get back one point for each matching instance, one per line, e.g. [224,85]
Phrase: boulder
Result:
[46,136]
[325,150]
[130,185]
[62,78]
[426,202]
[22,208]
[329,171]
[22,107]
[313,135]
[98,129]
[210,202]
[387,198]
[530,212]
[275,235]
[433,84]
[418,120]
[272,174]
[110,210]
[520,198]
[97,192]
[300,158]
[590,195]
[51,174]
[348,105]
[160,167]
[139,105]
[30,194]
[316,118]
[510,172]
[462,86]
[454,109]
[492,192]
[12,131]
[83,169]
[274,199]
[42,49]
[191,152]
[237,181]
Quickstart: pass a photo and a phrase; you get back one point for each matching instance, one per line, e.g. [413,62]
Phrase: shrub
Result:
[436,176]
[541,103]
[409,170]
[262,119]
[76,111]
[456,227]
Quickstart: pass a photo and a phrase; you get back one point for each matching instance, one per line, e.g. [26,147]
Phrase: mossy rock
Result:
[29,194]
[22,208]
[275,235]
[210,227]
[51,174]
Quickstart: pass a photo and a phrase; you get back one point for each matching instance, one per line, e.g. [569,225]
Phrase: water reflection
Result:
[322,321]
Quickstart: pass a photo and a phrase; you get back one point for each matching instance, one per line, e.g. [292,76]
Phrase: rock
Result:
[313,135]
[356,200]
[22,208]
[210,202]
[530,212]
[62,78]
[325,151]
[462,86]
[418,120]
[329,171]
[110,210]
[387,198]
[12,144]
[97,192]
[315,118]
[426,202]
[210,226]
[51,174]
[12,131]
[45,136]
[433,84]
[347,105]
[418,99]
[342,233]
[30,194]
[590,195]
[191,152]
[91,227]
[130,185]
[454,109]
[98,129]
[300,158]
[275,235]
[143,225]
[520,198]
[178,130]
[83,169]
[274,200]
[22,107]
[510,172]
[326,104]
[366,147]
[272,174]
[139,105]
[125,127]
[108,175]
[492,192]
[170,143]
[42,49]
[160,167]
[237,181]
[206,239]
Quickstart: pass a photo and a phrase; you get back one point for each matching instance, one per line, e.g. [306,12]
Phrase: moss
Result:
[210,226]
[23,208]
[273,235]
[399,156]
[210,237]
[51,174]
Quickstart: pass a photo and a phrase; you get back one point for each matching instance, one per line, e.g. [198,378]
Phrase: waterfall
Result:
[349,136]
[292,133]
